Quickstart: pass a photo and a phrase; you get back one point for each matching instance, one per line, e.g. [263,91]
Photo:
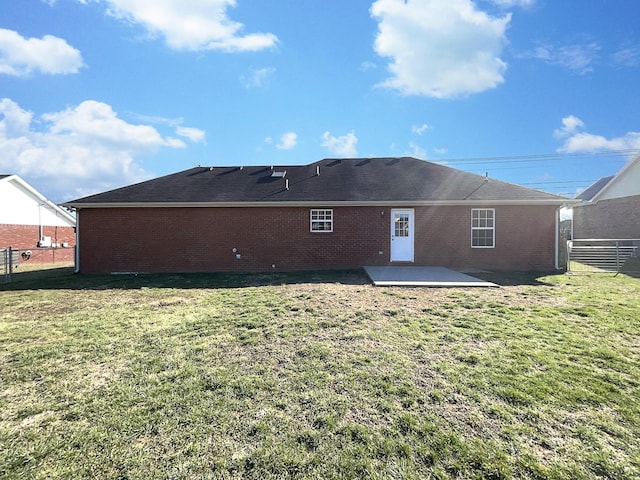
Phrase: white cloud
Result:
[417,151]
[288,141]
[578,141]
[79,150]
[578,58]
[191,24]
[194,134]
[628,56]
[514,3]
[440,48]
[51,55]
[257,78]
[588,143]
[344,146]
[419,130]
[367,66]
[440,151]
[570,126]
[96,122]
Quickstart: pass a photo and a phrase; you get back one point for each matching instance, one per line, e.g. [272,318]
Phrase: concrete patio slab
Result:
[423,277]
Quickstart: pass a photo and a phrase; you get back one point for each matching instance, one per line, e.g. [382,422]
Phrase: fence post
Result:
[10,250]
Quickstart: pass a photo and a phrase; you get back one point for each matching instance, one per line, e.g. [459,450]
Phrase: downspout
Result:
[77,247]
[40,230]
[557,246]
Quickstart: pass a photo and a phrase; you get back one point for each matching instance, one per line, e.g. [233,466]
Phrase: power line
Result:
[562,182]
[544,157]
[536,161]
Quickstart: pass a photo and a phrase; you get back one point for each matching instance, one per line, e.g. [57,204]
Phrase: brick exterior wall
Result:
[615,218]
[26,237]
[203,239]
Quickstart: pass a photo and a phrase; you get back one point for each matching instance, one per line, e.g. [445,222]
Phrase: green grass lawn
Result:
[318,376]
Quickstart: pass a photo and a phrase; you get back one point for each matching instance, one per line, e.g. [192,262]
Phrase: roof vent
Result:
[317,170]
[279,174]
[211,169]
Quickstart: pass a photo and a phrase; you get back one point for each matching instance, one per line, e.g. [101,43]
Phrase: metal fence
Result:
[9,261]
[14,262]
[603,255]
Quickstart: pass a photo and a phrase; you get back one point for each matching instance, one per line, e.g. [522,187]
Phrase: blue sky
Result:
[96,94]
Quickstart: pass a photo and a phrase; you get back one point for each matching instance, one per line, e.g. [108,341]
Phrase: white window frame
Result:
[322,216]
[475,226]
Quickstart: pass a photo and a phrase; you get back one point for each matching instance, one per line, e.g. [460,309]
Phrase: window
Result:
[322,220]
[401,225]
[483,228]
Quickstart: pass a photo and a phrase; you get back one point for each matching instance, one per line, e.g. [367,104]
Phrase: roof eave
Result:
[616,178]
[68,218]
[327,203]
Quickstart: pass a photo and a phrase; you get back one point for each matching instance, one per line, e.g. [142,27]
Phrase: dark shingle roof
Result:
[340,180]
[594,188]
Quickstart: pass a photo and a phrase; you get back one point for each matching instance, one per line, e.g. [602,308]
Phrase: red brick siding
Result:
[26,237]
[524,238]
[202,239]
[615,218]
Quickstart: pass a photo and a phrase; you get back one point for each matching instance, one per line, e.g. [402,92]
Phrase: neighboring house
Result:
[611,206]
[332,214]
[29,222]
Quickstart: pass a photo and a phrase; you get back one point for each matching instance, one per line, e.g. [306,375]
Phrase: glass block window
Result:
[483,228]
[321,220]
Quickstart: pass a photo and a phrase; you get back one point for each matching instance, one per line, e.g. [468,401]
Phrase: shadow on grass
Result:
[511,279]
[65,279]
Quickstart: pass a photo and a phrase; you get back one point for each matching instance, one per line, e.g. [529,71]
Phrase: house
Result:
[331,214]
[611,206]
[43,231]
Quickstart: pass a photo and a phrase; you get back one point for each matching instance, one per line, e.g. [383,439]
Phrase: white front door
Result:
[402,235]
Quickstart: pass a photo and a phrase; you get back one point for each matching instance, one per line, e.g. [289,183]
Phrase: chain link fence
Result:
[9,261]
[14,260]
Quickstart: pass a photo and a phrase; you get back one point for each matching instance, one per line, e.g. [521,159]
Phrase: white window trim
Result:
[311,220]
[493,228]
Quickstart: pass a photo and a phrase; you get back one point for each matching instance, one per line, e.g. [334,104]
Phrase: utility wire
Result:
[540,157]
